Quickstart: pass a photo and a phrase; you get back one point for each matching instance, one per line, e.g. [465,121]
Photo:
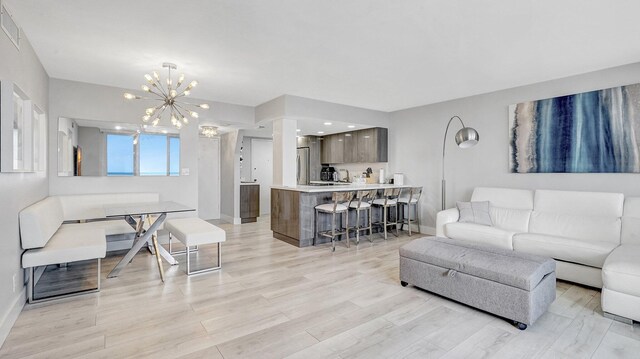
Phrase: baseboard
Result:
[12,315]
[230,219]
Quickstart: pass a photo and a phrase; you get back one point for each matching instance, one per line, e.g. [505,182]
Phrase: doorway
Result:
[262,170]
[209,178]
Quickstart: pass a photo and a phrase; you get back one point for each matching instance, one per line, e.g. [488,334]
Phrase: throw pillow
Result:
[474,212]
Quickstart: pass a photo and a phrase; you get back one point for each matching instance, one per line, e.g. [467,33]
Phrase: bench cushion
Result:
[195,231]
[39,222]
[503,266]
[68,244]
[90,206]
[589,253]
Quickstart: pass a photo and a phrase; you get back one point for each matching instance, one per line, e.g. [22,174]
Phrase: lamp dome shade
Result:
[467,137]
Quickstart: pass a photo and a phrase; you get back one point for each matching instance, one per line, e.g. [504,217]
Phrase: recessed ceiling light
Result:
[118,127]
[298,130]
[351,126]
[328,123]
[165,131]
[320,132]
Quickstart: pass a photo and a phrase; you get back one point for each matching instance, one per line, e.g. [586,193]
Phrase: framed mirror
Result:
[103,148]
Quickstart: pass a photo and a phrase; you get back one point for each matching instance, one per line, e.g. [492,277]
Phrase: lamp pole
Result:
[444,143]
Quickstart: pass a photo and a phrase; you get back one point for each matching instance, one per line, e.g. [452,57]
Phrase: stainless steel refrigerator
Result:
[303,166]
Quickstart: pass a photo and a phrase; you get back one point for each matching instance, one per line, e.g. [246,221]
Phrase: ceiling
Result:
[377,54]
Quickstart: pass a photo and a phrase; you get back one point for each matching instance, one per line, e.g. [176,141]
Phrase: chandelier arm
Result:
[191,104]
[181,103]
[159,87]
[164,108]
[178,111]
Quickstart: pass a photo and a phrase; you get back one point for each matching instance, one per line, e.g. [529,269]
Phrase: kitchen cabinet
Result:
[333,148]
[369,145]
[249,202]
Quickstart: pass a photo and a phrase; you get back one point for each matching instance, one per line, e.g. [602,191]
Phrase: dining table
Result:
[145,219]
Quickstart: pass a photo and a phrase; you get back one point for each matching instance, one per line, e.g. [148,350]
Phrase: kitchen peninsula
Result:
[292,210]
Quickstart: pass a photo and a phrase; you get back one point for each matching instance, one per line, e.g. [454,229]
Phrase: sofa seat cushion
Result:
[68,244]
[110,228]
[621,270]
[492,236]
[591,253]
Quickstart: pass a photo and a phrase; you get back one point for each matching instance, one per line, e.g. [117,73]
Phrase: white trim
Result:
[230,219]
[12,315]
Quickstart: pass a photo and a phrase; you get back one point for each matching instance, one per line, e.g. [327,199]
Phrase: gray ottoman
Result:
[513,285]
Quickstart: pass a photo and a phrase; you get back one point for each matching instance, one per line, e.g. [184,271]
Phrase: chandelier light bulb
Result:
[209,131]
[169,97]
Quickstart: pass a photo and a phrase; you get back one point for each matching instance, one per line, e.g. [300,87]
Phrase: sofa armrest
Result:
[446,216]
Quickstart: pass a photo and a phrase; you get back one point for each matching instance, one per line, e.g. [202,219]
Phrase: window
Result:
[153,155]
[120,155]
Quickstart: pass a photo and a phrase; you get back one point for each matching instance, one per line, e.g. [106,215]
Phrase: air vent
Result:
[9,26]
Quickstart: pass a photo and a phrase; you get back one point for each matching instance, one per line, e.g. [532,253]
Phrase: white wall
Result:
[209,178]
[416,143]
[18,190]
[230,176]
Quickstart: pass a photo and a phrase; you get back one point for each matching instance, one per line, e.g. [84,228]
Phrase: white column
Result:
[284,152]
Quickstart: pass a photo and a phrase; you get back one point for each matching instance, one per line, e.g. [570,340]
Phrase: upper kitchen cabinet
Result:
[368,145]
[333,148]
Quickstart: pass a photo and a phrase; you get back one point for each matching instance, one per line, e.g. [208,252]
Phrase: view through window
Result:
[154,154]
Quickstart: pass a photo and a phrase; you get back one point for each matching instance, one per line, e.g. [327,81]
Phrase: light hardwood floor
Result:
[273,300]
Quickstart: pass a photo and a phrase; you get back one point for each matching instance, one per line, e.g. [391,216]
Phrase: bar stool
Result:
[406,202]
[362,203]
[335,207]
[388,200]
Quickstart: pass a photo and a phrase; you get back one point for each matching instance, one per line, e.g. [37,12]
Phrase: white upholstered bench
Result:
[195,232]
[47,242]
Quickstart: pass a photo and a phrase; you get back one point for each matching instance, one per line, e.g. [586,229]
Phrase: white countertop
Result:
[340,187]
[249,183]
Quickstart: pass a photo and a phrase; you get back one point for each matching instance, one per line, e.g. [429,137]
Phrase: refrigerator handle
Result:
[298,165]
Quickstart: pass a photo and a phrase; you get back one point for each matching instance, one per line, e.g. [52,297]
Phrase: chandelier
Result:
[209,131]
[170,98]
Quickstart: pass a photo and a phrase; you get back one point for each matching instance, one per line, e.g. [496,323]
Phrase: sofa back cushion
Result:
[631,221]
[39,222]
[589,216]
[90,206]
[510,209]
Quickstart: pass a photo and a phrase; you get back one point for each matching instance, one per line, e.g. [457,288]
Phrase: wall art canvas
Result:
[590,132]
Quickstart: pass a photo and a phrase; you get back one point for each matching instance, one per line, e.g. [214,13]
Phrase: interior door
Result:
[209,178]
[262,170]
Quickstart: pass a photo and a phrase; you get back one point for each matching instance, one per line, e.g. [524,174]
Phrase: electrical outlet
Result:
[14,283]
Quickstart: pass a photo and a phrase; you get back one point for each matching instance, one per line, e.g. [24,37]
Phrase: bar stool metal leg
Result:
[384,215]
[346,227]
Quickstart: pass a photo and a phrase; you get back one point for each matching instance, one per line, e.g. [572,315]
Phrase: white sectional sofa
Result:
[594,237]
[56,230]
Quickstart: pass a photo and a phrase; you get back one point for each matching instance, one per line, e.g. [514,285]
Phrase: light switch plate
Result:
[184,172]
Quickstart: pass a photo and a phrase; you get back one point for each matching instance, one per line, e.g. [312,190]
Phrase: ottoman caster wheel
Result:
[519,325]
[403,283]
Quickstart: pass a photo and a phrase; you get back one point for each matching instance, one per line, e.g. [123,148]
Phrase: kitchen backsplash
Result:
[358,168]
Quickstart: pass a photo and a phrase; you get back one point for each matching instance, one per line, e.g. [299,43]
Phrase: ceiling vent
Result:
[9,26]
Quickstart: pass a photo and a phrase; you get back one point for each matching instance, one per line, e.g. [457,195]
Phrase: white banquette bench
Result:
[593,236]
[65,229]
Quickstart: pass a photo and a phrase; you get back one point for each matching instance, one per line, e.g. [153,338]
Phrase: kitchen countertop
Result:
[338,187]
[249,183]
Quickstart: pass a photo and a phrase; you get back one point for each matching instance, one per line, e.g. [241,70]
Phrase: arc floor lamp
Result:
[465,138]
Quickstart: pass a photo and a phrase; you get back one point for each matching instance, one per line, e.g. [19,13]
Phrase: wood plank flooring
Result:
[273,300]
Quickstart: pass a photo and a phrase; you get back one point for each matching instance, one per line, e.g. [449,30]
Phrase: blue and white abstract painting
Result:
[590,132]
